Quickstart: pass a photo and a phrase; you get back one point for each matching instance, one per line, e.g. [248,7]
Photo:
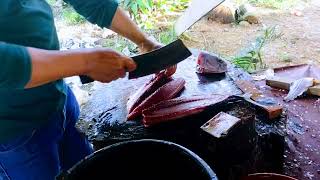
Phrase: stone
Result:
[251,18]
[244,24]
[248,13]
[224,13]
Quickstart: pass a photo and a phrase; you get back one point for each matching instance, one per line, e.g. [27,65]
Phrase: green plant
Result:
[247,62]
[149,13]
[167,36]
[72,17]
[254,57]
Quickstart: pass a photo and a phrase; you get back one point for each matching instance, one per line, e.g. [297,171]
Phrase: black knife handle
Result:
[85,79]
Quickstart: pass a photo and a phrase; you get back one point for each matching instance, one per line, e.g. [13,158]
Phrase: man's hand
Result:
[106,65]
[103,65]
[123,25]
[150,45]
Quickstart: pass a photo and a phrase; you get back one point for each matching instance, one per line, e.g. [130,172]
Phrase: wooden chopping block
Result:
[315,90]
[257,98]
[284,83]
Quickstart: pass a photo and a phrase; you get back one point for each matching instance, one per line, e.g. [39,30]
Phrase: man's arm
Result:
[123,25]
[24,67]
[107,13]
[103,65]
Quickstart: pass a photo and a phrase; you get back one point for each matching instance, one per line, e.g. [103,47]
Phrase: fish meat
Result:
[209,64]
[179,107]
[145,91]
[165,92]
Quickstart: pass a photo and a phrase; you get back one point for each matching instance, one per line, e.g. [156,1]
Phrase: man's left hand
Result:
[150,45]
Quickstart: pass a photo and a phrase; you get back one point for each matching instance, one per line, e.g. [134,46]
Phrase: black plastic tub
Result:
[141,159]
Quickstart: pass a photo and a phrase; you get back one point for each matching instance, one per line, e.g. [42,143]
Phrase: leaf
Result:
[134,8]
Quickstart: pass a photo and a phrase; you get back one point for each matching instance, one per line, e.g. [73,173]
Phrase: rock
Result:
[223,14]
[246,12]
[251,18]
[244,24]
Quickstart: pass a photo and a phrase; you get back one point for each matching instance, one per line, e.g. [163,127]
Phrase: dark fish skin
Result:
[210,64]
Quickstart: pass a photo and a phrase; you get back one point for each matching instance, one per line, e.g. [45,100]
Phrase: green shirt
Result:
[30,23]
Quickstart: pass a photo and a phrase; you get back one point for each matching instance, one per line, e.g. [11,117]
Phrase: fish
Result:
[165,92]
[178,108]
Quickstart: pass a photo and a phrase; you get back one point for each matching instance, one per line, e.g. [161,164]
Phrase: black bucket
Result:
[141,159]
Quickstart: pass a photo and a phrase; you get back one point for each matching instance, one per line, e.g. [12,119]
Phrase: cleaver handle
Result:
[85,79]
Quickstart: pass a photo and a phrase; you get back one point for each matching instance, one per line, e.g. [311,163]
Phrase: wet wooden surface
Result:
[302,155]
[108,104]
[254,146]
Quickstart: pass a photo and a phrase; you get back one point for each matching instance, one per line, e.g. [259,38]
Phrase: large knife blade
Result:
[160,59]
[196,10]
[155,61]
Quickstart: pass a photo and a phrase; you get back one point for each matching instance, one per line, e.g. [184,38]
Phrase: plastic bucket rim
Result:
[200,161]
[271,175]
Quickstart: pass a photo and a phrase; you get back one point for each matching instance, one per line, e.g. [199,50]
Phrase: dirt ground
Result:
[299,44]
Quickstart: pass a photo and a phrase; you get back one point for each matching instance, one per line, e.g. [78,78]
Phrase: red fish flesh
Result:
[146,90]
[165,92]
[178,108]
[209,64]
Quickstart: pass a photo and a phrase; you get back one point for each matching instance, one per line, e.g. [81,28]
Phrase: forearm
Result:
[123,25]
[48,66]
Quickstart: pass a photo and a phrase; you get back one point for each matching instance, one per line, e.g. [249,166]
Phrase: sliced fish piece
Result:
[179,108]
[146,90]
[167,91]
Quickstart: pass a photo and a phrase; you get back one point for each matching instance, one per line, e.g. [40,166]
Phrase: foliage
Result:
[71,17]
[254,57]
[149,13]
[120,44]
[166,37]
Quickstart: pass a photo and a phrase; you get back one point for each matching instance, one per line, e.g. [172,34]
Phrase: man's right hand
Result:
[106,65]
[103,65]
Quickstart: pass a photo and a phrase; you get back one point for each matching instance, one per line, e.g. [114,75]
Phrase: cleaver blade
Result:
[155,61]
[160,59]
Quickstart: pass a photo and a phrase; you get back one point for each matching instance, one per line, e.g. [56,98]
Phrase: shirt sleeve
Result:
[98,12]
[15,68]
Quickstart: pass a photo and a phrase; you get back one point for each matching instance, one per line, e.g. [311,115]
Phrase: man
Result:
[38,111]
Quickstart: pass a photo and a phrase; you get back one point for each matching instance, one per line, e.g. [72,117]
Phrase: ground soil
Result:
[300,42]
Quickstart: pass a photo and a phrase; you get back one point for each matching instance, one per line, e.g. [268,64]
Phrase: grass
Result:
[71,17]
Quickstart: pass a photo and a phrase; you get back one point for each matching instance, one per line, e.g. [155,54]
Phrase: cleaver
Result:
[174,52]
[155,61]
